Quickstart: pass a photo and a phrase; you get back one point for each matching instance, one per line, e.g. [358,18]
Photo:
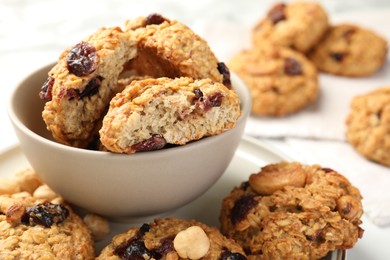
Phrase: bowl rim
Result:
[245,110]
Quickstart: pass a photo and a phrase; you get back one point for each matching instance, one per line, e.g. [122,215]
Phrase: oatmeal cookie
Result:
[32,228]
[281,80]
[350,50]
[82,83]
[150,113]
[293,211]
[168,48]
[172,238]
[368,125]
[299,25]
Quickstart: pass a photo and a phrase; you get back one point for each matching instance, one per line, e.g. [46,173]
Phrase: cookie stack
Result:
[191,89]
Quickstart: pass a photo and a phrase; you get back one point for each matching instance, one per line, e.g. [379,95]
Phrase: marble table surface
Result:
[33,33]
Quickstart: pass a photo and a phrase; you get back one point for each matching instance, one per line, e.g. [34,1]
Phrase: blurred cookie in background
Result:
[368,125]
[282,81]
[299,25]
[350,50]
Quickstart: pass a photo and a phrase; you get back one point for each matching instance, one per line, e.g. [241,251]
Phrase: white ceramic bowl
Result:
[117,185]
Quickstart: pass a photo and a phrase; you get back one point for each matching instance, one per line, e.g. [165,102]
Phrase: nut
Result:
[274,177]
[12,208]
[27,180]
[192,243]
[99,226]
[44,192]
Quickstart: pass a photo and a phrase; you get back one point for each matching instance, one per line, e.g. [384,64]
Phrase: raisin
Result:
[155,19]
[155,142]
[317,237]
[46,214]
[337,56]
[326,170]
[292,67]
[245,185]
[228,255]
[224,70]
[82,59]
[143,229]
[276,14]
[241,208]
[379,114]
[137,250]
[166,246]
[213,101]
[347,209]
[348,33]
[90,89]
[121,249]
[46,90]
[198,93]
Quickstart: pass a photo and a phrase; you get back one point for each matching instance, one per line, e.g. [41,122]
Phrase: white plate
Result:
[249,157]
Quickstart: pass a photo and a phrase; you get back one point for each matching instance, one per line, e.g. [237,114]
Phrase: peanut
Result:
[12,208]
[44,192]
[274,177]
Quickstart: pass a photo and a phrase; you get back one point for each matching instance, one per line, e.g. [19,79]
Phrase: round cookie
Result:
[149,114]
[368,125]
[299,25]
[82,83]
[293,211]
[281,80]
[32,228]
[168,48]
[172,238]
[350,50]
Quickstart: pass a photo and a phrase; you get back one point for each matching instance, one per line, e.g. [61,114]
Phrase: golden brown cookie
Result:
[299,25]
[281,80]
[82,83]
[32,228]
[168,48]
[172,238]
[368,125]
[350,50]
[293,211]
[35,223]
[149,114]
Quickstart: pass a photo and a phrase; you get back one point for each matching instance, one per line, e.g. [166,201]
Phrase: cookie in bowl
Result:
[168,48]
[344,51]
[172,238]
[368,125]
[82,83]
[152,113]
[281,81]
[293,211]
[298,25]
